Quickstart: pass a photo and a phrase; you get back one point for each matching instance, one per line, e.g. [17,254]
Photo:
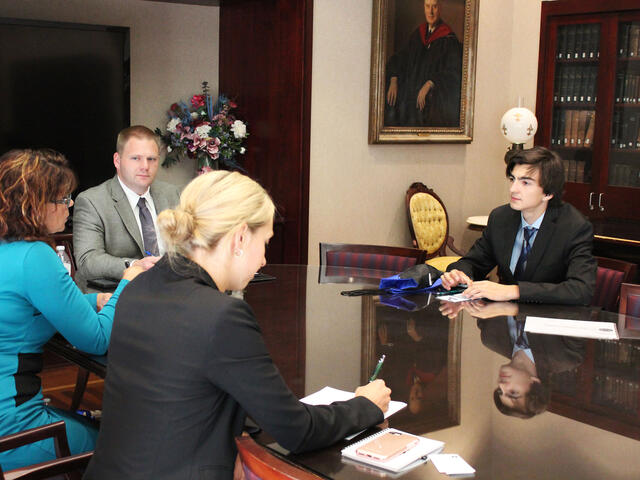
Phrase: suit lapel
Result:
[126,214]
[541,242]
[159,200]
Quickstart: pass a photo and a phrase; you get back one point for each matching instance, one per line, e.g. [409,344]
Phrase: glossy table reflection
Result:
[318,337]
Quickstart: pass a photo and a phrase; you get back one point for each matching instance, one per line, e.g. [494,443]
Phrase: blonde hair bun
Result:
[211,206]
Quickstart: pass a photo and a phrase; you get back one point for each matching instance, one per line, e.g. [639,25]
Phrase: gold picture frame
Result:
[421,347]
[444,114]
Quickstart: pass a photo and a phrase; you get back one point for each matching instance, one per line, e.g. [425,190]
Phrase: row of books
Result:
[575,83]
[574,171]
[573,128]
[615,392]
[629,40]
[624,175]
[625,129]
[627,88]
[578,41]
[617,354]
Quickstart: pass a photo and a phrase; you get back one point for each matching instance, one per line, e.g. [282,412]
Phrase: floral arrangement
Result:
[204,131]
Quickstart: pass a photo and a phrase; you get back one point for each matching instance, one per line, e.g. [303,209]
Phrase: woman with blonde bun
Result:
[187,362]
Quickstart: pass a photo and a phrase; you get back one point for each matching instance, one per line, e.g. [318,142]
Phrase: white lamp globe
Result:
[519,125]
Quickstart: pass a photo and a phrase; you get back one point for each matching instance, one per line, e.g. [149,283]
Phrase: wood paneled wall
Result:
[265,65]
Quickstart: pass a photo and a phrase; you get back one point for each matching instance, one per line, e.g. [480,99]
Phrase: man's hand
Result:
[147,262]
[102,300]
[451,309]
[492,291]
[132,272]
[480,309]
[421,101]
[454,278]
[377,392]
[392,93]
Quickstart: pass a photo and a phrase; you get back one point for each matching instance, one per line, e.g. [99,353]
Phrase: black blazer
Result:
[187,363]
[560,267]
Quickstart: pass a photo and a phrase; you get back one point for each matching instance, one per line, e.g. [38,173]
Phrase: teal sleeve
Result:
[51,290]
[92,298]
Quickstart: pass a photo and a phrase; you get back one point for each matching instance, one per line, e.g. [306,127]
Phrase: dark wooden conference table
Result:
[446,369]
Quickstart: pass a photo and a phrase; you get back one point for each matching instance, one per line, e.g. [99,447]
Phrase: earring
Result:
[238,253]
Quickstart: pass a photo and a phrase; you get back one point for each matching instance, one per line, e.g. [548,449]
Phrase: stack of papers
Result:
[405,461]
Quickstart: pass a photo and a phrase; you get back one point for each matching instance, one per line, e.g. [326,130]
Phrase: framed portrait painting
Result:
[422,360]
[423,56]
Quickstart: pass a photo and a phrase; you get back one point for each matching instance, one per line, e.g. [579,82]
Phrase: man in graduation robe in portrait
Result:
[423,79]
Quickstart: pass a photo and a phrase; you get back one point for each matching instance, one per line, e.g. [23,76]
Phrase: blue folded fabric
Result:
[395,284]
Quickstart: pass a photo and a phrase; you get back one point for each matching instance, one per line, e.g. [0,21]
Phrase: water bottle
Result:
[64,258]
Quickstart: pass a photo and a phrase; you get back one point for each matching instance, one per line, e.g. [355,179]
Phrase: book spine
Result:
[615,128]
[560,139]
[567,127]
[594,40]
[571,41]
[562,43]
[575,117]
[577,52]
[591,125]
[572,93]
[623,42]
[633,40]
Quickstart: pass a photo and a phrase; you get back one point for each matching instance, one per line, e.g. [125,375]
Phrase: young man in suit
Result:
[541,246]
[114,223]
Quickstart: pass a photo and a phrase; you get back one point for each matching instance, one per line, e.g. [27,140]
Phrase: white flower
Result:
[239,129]
[173,123]
[169,148]
[194,115]
[203,131]
[242,150]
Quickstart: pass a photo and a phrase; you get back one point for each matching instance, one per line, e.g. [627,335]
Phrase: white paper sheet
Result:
[571,328]
[458,297]
[451,464]
[328,395]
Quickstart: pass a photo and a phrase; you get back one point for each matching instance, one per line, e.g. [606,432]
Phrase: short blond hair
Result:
[211,206]
[140,132]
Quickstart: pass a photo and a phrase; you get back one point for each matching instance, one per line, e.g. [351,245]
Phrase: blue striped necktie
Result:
[526,248]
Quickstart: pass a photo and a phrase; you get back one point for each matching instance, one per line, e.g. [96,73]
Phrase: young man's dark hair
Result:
[549,166]
[536,402]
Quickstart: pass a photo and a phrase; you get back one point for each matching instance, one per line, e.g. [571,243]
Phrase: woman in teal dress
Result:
[38,298]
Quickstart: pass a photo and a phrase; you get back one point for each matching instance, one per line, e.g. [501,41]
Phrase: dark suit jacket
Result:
[186,365]
[105,232]
[560,267]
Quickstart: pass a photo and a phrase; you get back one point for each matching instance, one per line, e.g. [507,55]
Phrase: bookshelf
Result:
[588,107]
[605,390]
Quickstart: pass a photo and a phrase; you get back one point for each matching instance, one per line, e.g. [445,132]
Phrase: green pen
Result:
[376,371]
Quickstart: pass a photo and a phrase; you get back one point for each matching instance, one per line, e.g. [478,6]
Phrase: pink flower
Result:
[198,101]
[205,169]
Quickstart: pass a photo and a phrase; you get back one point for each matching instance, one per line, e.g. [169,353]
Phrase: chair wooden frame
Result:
[627,289]
[361,274]
[627,268]
[419,187]
[419,255]
[266,465]
[67,464]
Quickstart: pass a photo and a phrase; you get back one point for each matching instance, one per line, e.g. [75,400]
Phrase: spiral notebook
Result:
[405,461]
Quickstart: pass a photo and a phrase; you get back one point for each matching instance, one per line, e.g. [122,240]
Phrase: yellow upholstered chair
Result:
[429,225]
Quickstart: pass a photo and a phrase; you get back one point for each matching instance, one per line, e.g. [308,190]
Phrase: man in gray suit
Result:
[114,223]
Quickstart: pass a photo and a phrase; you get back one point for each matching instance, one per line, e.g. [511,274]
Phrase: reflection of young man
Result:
[524,382]
[423,79]
[541,246]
